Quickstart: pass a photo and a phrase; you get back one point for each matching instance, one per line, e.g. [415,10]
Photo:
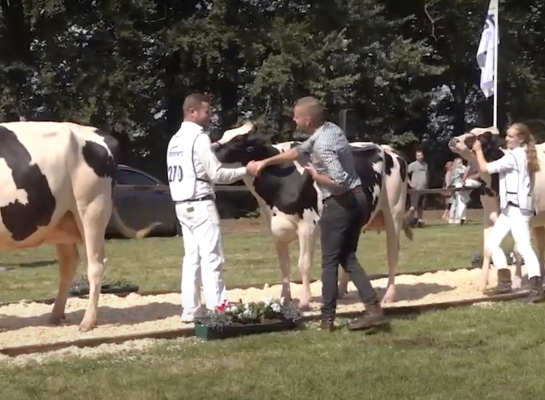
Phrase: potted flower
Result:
[237,319]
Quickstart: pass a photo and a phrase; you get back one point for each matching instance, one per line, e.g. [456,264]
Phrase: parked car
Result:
[142,199]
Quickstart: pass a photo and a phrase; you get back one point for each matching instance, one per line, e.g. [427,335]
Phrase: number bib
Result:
[180,169]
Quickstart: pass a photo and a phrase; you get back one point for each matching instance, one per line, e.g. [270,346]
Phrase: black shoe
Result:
[372,317]
[327,325]
[537,295]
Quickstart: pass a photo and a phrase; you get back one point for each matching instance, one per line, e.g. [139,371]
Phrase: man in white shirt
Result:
[192,168]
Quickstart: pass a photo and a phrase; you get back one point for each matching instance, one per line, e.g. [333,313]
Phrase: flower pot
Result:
[230,331]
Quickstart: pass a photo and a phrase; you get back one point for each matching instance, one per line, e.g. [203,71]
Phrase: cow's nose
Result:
[452,142]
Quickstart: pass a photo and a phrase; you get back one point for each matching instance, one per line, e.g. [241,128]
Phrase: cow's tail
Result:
[129,232]
[406,225]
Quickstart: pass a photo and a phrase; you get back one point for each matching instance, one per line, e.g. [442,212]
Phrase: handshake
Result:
[254,168]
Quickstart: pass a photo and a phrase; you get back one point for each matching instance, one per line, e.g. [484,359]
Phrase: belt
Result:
[355,190]
[207,197]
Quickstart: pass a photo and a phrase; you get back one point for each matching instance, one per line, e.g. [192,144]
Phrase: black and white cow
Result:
[492,150]
[57,181]
[291,203]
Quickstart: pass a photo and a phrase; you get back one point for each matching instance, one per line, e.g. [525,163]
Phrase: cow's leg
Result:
[307,244]
[393,229]
[68,262]
[343,284]
[94,219]
[517,279]
[487,256]
[539,234]
[283,254]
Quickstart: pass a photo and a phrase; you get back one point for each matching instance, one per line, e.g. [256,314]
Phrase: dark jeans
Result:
[340,224]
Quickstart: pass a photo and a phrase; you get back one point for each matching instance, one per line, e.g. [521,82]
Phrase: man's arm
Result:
[292,154]
[336,175]
[212,166]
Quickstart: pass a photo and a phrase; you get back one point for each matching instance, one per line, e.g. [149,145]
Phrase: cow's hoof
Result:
[517,283]
[389,297]
[86,326]
[304,306]
[341,294]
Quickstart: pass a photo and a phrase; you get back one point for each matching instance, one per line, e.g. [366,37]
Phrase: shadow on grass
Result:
[403,293]
[30,264]
[106,316]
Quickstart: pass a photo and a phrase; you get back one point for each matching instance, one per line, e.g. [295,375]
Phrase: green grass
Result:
[481,352]
[155,263]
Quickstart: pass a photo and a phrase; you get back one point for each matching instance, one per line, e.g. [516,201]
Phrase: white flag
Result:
[487,51]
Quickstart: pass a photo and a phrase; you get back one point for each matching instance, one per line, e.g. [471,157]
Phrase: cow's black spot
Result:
[402,169]
[286,189]
[98,158]
[389,164]
[294,144]
[22,220]
[490,144]
[112,144]
[365,158]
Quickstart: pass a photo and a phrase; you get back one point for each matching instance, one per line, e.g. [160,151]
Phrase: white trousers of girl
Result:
[516,221]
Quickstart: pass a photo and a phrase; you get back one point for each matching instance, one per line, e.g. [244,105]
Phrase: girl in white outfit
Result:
[516,171]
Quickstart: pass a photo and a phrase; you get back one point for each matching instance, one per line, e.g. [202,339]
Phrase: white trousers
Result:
[203,258]
[462,198]
[513,220]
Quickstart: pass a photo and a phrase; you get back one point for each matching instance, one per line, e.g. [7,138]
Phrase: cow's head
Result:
[490,141]
[244,144]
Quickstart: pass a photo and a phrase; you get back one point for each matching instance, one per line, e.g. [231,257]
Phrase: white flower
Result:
[276,307]
[267,300]
[233,309]
[246,313]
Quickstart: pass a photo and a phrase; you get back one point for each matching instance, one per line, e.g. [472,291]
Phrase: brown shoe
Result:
[372,317]
[536,290]
[327,325]
[504,283]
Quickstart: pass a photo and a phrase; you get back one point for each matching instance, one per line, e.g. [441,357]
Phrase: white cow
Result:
[291,203]
[57,182]
[491,144]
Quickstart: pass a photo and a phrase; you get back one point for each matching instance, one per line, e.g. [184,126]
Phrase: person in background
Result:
[192,168]
[456,179]
[469,180]
[418,180]
[446,184]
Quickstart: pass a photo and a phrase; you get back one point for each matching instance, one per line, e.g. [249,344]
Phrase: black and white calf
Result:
[291,203]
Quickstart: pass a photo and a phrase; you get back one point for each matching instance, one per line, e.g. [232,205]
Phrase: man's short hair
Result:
[195,101]
[312,107]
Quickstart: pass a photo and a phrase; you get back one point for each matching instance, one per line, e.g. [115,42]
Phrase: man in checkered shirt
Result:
[344,212]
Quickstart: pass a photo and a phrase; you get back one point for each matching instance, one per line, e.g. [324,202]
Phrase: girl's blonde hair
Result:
[525,134]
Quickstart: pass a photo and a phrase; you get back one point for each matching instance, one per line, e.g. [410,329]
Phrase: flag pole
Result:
[496,44]
[487,57]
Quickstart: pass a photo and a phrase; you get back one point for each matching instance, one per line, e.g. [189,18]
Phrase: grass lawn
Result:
[155,263]
[481,352]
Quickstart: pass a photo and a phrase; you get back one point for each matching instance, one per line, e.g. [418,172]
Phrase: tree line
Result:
[407,69]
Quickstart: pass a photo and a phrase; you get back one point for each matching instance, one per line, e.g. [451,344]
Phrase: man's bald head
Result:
[308,114]
[311,107]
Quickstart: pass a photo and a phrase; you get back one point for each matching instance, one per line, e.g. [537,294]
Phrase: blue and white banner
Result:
[488,49]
